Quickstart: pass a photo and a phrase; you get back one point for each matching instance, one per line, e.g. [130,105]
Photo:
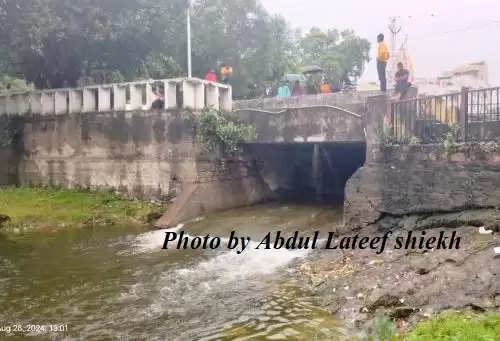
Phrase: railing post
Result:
[170,94]
[193,94]
[388,118]
[212,93]
[89,104]
[75,101]
[226,98]
[3,105]
[60,102]
[149,96]
[35,99]
[119,97]
[463,114]
[48,103]
[135,97]
[22,104]
[11,105]
[103,99]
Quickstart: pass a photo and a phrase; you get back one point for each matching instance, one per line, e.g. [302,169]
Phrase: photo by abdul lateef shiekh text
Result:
[296,241]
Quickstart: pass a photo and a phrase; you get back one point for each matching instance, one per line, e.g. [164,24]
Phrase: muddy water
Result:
[117,283]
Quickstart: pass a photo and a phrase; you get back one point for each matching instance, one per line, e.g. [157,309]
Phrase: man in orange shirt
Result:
[226,71]
[382,58]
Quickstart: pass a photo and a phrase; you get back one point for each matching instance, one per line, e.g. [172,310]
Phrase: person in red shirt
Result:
[211,76]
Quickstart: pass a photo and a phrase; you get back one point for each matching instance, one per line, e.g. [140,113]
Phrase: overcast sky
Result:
[442,34]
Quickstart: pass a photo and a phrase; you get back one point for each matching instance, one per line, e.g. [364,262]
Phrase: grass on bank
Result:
[44,207]
[447,326]
[458,327]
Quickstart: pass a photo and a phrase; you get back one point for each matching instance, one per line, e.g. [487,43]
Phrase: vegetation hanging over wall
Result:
[219,132]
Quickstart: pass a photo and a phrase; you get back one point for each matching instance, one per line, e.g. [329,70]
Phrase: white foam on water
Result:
[151,241]
[223,277]
[232,266]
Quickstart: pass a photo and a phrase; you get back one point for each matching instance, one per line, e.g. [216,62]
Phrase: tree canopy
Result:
[54,43]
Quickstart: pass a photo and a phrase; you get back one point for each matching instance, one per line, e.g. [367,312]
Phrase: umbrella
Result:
[311,69]
[291,78]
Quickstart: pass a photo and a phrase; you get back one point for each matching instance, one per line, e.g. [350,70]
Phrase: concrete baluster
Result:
[188,95]
[22,104]
[11,106]
[135,96]
[89,100]
[104,98]
[170,94]
[193,94]
[149,96]
[75,101]
[119,97]
[3,105]
[226,98]
[48,103]
[199,91]
[61,102]
[212,96]
[35,99]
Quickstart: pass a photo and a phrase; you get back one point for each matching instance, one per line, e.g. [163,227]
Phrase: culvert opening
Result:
[308,172]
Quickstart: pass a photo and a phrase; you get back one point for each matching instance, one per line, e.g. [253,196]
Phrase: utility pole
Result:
[188,22]
[395,28]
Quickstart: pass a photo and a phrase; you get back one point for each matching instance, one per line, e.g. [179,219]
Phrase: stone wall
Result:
[145,154]
[8,171]
[399,181]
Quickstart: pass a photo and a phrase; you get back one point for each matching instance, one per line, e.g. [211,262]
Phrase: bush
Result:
[218,132]
[451,139]
[14,84]
[159,66]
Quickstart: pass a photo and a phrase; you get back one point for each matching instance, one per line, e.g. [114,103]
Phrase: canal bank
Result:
[27,209]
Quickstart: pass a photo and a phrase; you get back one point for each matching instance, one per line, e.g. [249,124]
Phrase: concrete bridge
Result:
[307,119]
[179,93]
[110,136]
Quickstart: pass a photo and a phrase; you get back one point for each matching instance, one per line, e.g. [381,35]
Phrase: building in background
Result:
[473,75]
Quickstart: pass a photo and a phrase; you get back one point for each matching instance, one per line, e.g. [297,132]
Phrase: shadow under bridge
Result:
[307,153]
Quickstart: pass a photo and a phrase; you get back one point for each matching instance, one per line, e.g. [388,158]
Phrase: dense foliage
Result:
[218,132]
[54,43]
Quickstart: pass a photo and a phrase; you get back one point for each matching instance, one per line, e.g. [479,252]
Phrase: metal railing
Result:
[470,115]
[186,93]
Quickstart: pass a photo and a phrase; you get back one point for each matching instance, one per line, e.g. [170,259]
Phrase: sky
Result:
[442,34]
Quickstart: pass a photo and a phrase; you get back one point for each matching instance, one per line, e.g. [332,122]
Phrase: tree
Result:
[53,43]
[338,53]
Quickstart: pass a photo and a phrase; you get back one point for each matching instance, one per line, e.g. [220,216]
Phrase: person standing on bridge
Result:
[382,58]
[211,76]
[284,90]
[325,87]
[226,71]
[297,89]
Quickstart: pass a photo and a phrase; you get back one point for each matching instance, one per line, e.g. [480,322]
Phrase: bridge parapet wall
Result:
[353,101]
[311,124]
[178,93]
